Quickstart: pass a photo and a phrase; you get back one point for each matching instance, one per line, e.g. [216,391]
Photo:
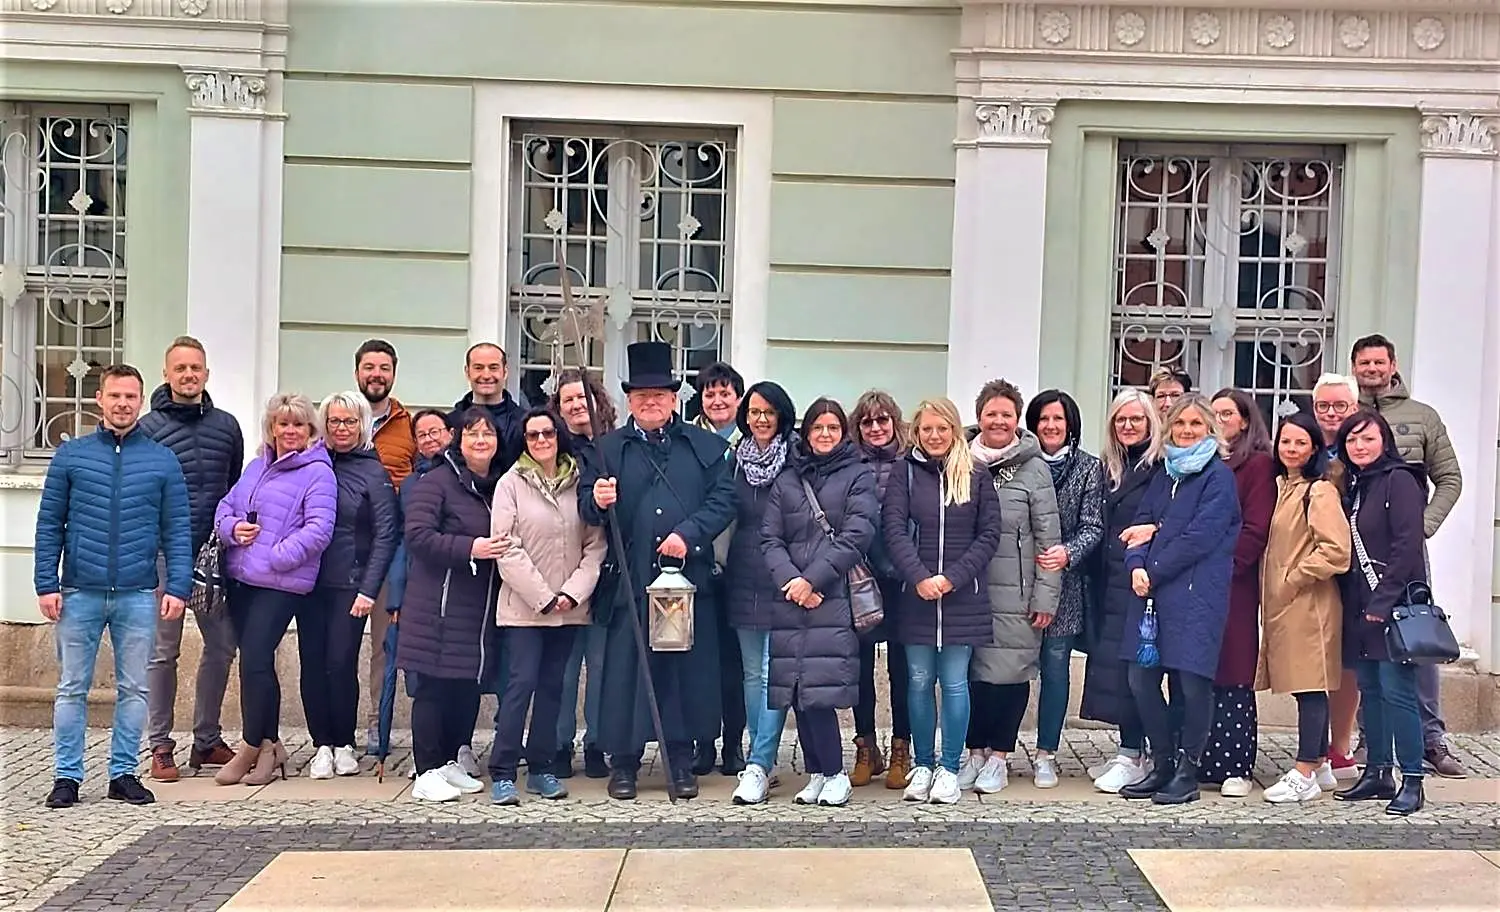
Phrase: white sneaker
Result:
[945,788]
[1292,788]
[321,766]
[431,786]
[1120,772]
[1236,787]
[812,791]
[994,777]
[968,771]
[1326,780]
[836,791]
[455,776]
[919,786]
[1046,772]
[1099,769]
[345,763]
[754,786]
[469,763]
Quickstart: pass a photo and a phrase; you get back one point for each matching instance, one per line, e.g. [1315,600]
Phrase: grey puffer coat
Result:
[815,653]
[1080,507]
[1018,588]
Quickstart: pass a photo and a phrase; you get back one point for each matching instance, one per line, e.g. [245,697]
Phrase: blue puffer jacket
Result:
[109,506]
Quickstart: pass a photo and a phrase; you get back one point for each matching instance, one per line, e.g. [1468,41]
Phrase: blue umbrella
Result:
[387,700]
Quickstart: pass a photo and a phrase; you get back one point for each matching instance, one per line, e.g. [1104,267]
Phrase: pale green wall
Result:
[1377,281]
[379,141]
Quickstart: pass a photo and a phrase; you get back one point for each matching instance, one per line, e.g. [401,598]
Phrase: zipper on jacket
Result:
[485,621]
[942,545]
[114,520]
[443,603]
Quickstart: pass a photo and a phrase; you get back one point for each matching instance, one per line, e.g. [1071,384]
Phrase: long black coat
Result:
[970,535]
[1392,500]
[366,528]
[815,654]
[208,443]
[447,616]
[1104,683]
[698,506]
[752,597]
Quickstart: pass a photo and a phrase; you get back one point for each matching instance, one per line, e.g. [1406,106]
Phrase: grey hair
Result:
[1343,380]
[353,402]
[1114,454]
[293,405]
[1203,407]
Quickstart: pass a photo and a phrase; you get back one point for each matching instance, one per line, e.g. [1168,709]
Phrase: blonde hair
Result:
[1328,380]
[958,465]
[1114,454]
[352,402]
[292,405]
[1189,401]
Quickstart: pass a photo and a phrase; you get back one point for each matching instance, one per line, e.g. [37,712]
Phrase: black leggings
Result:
[1197,698]
[818,730]
[895,670]
[995,712]
[328,640]
[1312,726]
[260,618]
[443,712]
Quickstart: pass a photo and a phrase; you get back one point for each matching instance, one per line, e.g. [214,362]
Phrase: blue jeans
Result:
[765,724]
[1388,693]
[1052,703]
[587,648]
[131,619]
[949,665]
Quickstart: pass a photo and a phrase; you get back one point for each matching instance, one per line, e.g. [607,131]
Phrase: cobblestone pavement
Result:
[1060,850]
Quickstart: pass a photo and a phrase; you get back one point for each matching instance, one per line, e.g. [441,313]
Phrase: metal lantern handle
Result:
[662,561]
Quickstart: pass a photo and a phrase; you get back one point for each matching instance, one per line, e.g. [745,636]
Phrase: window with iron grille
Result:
[1226,266]
[62,268]
[641,220]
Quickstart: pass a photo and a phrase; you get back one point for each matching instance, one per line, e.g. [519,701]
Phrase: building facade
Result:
[912,194]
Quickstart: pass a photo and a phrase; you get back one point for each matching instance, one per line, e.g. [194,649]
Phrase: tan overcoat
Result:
[552,550]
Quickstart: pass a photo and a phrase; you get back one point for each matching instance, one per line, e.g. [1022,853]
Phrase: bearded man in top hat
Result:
[672,493]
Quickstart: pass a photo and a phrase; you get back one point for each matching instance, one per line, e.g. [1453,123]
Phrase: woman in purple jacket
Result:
[275,523]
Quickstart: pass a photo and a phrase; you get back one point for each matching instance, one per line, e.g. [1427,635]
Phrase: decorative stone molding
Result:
[1014,123]
[219,10]
[221,93]
[1461,135]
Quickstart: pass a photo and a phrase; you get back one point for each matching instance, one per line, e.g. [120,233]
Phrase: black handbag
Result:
[866,606]
[209,597]
[1418,631]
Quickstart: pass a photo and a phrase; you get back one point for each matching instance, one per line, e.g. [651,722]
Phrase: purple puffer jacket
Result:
[295,499]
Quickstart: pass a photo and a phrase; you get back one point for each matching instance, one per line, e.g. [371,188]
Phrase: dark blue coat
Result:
[751,596]
[1190,561]
[510,419]
[395,580]
[109,506]
[208,444]
[366,528]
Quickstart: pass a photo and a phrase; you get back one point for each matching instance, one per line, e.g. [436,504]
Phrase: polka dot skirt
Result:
[1231,740]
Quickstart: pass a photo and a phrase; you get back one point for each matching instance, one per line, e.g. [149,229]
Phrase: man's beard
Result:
[372,395]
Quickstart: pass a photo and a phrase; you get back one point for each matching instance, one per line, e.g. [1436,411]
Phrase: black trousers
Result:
[1197,708]
[1312,726]
[538,658]
[895,668]
[443,712]
[328,640]
[260,618]
[995,712]
[731,680]
[818,732]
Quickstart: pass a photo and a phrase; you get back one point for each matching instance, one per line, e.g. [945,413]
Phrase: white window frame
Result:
[498,108]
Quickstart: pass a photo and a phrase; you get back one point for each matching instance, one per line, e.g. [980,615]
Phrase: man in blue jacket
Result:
[112,501]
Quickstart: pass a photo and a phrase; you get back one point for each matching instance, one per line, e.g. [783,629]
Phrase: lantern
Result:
[670,605]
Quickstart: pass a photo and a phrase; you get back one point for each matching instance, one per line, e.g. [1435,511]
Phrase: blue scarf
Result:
[1185,461]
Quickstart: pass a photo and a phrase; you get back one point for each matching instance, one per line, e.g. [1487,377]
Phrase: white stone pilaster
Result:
[234,237]
[1457,347]
[995,315]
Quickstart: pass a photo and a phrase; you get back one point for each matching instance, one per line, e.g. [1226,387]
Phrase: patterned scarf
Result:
[761,466]
[1185,461]
[1061,463]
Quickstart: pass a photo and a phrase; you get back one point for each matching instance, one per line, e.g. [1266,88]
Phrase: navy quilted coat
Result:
[366,527]
[109,506]
[751,595]
[209,446]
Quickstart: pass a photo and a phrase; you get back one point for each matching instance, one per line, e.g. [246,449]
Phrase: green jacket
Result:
[1421,438]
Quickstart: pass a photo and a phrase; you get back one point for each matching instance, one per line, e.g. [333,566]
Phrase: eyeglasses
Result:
[1130,420]
[874,421]
[478,434]
[1333,408]
[760,414]
[544,434]
[342,422]
[1165,396]
[430,435]
[827,430]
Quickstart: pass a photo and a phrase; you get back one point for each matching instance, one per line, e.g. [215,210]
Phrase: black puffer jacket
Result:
[366,528]
[815,654]
[752,596]
[208,443]
[956,541]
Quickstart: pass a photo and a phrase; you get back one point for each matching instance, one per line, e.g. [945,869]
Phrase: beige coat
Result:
[552,550]
[1301,614]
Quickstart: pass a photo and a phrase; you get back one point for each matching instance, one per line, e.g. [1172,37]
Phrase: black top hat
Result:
[650,367]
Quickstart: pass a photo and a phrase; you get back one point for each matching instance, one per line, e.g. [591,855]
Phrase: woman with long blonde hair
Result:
[941,526]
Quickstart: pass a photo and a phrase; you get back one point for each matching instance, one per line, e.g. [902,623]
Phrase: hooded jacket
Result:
[1422,440]
[295,498]
[367,526]
[207,443]
[553,551]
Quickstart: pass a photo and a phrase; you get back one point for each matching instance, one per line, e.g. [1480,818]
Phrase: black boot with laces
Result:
[128,789]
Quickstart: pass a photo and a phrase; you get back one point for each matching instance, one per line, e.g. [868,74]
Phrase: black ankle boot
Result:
[1184,785]
[703,758]
[734,758]
[1163,768]
[1375,784]
[622,785]
[684,784]
[1409,799]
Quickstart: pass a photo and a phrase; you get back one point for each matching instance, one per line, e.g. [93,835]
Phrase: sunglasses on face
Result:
[535,436]
[874,421]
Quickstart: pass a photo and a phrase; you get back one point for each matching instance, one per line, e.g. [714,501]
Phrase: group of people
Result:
[512,551]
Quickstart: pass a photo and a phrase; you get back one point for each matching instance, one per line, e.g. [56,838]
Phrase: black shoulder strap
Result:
[817,508]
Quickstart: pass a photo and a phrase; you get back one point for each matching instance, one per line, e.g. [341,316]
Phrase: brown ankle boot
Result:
[867,761]
[899,771]
[272,758]
[233,771]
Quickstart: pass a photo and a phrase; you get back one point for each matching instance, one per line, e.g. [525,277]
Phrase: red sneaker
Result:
[1344,766]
